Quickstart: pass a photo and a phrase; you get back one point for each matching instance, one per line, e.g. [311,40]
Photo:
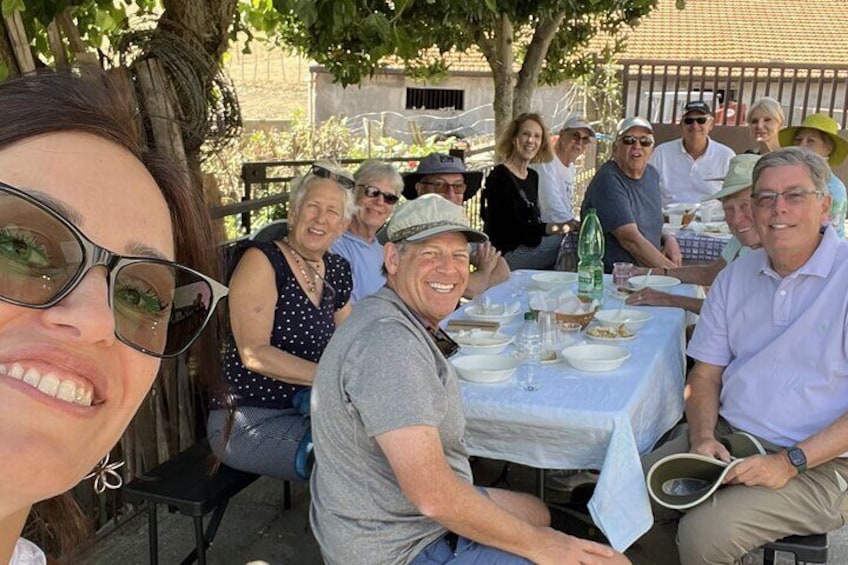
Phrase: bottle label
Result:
[585,280]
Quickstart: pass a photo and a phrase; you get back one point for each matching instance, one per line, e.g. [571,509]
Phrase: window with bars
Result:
[435,99]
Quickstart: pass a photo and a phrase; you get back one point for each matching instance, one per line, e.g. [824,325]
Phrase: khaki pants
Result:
[738,519]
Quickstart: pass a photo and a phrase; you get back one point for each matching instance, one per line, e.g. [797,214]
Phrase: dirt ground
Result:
[271,84]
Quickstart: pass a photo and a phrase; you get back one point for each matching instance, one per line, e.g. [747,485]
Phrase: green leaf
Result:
[9,7]
[4,71]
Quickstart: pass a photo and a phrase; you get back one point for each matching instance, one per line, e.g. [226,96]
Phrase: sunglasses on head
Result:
[325,173]
[644,141]
[159,307]
[374,192]
[443,341]
[699,120]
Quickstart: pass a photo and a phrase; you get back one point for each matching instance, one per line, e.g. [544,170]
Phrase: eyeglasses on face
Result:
[324,173]
[374,192]
[699,120]
[768,199]
[159,307]
[442,187]
[582,139]
[644,141]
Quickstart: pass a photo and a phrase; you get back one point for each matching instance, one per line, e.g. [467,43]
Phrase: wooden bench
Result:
[186,484]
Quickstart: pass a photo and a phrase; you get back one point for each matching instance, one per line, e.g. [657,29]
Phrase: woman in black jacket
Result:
[510,208]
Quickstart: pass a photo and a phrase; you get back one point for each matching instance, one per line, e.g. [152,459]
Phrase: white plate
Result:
[595,358]
[668,228]
[485,368]
[509,312]
[654,281]
[482,341]
[635,319]
[553,279]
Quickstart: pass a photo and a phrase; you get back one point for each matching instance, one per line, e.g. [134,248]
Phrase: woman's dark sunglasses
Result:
[324,173]
[644,141]
[374,192]
[159,307]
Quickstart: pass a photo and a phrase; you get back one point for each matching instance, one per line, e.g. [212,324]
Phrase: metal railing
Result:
[659,90]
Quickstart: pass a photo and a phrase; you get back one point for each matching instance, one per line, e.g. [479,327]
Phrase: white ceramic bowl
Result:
[482,341]
[485,368]
[595,358]
[632,318]
[551,280]
[503,313]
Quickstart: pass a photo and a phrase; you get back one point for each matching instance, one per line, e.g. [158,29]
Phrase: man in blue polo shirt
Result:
[772,361]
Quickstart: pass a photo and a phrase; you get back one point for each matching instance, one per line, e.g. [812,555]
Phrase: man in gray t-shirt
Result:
[392,482]
[625,192]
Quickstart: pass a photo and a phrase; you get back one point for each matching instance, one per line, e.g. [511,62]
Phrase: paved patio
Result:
[256,530]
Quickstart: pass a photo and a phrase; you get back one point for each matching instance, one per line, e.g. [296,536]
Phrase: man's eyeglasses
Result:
[443,341]
[374,192]
[159,307]
[324,173]
[767,198]
[699,120]
[582,139]
[442,187]
[644,141]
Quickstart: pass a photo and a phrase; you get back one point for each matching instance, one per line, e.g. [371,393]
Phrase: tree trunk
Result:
[501,64]
[528,76]
[7,54]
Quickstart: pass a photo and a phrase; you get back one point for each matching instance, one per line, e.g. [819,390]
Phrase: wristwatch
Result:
[797,458]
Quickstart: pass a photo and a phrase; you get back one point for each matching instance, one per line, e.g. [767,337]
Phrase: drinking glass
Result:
[621,271]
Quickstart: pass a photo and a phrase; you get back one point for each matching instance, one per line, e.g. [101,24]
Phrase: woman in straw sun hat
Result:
[820,134]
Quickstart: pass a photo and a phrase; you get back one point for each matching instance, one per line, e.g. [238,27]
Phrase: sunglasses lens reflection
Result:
[158,307]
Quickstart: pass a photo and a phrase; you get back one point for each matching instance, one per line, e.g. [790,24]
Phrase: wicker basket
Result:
[582,319]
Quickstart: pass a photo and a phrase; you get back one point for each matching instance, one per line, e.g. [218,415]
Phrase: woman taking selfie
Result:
[91,222]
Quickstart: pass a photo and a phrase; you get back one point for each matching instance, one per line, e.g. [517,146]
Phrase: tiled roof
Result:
[754,31]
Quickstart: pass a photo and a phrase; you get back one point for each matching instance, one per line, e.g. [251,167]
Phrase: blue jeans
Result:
[542,257]
[457,550]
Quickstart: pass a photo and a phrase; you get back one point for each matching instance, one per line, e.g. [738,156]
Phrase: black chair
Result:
[187,484]
[278,229]
[806,549]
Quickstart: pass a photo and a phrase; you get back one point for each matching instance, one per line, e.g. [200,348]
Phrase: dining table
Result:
[582,420]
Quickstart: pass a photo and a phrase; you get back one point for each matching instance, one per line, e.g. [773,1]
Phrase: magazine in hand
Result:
[684,480]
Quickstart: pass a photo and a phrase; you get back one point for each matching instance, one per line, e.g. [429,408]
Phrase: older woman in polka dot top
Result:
[286,299]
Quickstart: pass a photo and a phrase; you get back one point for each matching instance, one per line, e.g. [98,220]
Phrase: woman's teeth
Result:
[49,384]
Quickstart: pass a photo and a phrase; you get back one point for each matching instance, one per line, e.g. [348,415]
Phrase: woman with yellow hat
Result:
[819,134]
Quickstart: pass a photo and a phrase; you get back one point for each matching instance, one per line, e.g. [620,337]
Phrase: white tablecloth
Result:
[583,420]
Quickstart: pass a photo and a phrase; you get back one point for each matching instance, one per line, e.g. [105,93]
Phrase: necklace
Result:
[302,262]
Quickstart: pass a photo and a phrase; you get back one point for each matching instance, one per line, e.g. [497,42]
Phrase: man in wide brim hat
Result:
[826,126]
[442,174]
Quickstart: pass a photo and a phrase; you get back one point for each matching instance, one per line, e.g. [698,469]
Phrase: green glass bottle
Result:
[590,250]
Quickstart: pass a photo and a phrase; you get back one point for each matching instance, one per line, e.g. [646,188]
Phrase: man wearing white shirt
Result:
[691,167]
[556,177]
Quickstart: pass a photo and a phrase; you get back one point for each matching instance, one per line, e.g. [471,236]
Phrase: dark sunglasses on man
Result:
[699,120]
[159,307]
[644,141]
[443,341]
[325,173]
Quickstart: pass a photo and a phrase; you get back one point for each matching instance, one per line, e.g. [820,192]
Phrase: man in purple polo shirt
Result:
[772,360]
